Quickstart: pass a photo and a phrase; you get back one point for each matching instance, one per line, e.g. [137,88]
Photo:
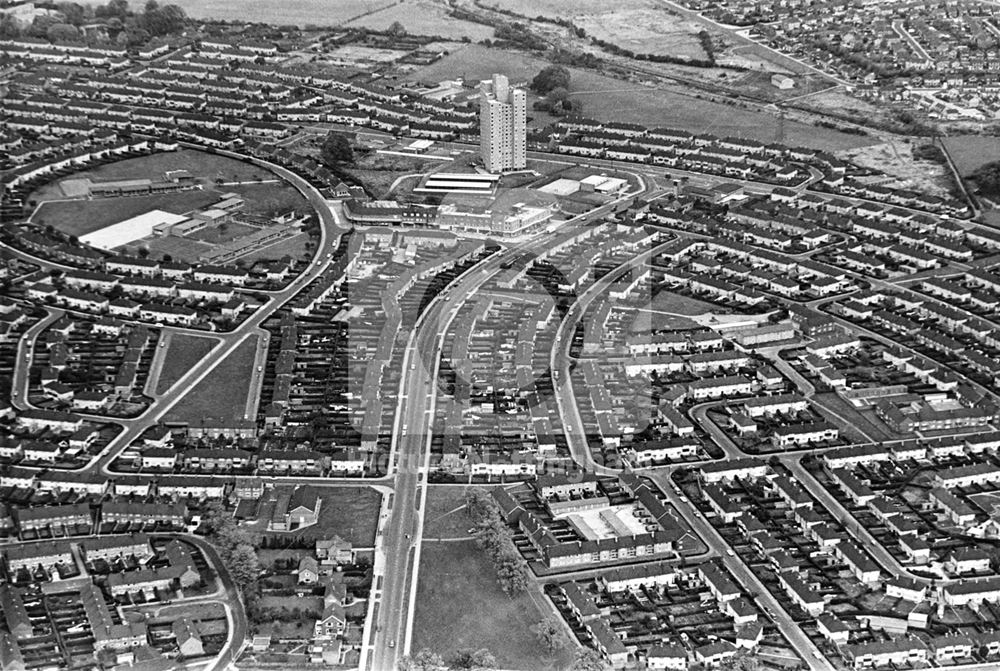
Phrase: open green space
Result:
[294,247]
[446,516]
[79,217]
[970,152]
[222,394]
[672,303]
[459,605]
[203,166]
[423,17]
[269,198]
[183,352]
[609,99]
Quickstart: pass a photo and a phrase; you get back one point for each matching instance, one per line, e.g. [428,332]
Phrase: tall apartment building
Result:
[502,125]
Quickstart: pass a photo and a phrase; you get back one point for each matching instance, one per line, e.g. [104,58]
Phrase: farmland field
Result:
[222,394]
[424,17]
[460,606]
[79,217]
[645,31]
[606,98]
[183,352]
[566,8]
[298,12]
[969,152]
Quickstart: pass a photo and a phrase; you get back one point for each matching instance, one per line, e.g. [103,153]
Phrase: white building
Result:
[502,125]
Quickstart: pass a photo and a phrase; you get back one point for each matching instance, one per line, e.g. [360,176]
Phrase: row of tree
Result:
[119,24]
[495,538]
[463,660]
[237,546]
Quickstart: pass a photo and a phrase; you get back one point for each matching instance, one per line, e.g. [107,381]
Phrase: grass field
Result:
[269,199]
[607,98]
[294,247]
[566,8]
[667,301]
[79,217]
[200,164]
[179,249]
[442,520]
[969,152]
[424,17]
[183,352]
[222,394]
[460,605]
[298,12]
[645,31]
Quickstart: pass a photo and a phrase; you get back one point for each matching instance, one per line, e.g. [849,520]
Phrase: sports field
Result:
[264,192]
[79,217]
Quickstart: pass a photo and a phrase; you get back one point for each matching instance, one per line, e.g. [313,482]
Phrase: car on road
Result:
[392,643]
[730,552]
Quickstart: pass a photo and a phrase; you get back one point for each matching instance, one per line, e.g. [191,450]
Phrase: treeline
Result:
[119,24]
[494,537]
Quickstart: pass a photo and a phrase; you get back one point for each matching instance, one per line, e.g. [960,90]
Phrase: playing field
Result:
[79,217]
[202,166]
[222,394]
[264,192]
[460,606]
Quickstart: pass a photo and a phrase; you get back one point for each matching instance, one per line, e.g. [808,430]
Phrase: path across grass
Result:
[222,394]
[183,352]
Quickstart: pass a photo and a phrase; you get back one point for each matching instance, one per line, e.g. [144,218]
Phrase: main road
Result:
[400,534]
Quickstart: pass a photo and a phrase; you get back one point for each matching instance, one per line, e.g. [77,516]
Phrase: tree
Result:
[424,660]
[589,659]
[474,659]
[550,77]
[62,32]
[9,27]
[549,633]
[243,564]
[75,14]
[336,149]
[397,29]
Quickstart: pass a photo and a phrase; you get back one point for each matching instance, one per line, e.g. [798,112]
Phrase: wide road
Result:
[401,533]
